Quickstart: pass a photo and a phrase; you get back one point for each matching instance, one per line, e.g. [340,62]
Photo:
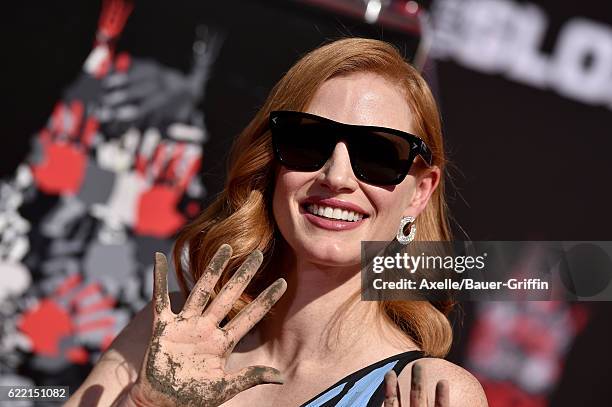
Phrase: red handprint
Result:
[74,309]
[171,168]
[65,143]
[67,139]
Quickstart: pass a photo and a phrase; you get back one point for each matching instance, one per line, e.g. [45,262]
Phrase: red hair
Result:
[241,214]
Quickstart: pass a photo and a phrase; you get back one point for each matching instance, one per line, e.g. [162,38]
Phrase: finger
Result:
[89,131]
[253,376]
[192,166]
[442,394]
[161,156]
[139,90]
[130,140]
[417,388]
[200,294]
[160,285]
[76,113]
[137,73]
[169,172]
[249,377]
[255,311]
[114,98]
[186,133]
[115,80]
[151,139]
[132,94]
[127,113]
[57,118]
[123,62]
[224,302]
[391,398]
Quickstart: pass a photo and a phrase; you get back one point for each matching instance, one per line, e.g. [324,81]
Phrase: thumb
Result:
[256,375]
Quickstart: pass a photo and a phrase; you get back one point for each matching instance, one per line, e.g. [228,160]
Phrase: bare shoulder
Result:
[120,364]
[465,389]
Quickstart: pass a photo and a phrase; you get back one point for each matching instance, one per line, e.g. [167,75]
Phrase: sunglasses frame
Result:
[417,145]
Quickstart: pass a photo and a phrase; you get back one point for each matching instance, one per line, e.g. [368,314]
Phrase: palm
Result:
[183,337]
[185,363]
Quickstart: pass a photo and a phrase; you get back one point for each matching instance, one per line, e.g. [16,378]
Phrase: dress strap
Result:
[363,387]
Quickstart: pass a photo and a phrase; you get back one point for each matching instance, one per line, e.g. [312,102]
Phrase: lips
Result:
[334,203]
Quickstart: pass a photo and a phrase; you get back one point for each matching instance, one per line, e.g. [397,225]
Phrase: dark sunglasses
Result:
[379,155]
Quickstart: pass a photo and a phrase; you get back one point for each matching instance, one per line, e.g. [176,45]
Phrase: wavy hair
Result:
[241,214]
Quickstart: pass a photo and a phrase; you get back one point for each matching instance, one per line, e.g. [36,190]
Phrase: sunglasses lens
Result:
[301,143]
[304,143]
[379,157]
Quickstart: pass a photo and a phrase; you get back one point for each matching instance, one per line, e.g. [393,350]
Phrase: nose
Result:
[337,174]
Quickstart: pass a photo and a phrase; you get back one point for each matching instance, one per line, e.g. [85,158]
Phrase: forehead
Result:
[363,98]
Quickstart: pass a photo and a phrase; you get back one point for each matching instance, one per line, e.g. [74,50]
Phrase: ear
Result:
[427,181]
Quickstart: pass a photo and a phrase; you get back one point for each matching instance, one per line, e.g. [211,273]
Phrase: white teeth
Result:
[334,213]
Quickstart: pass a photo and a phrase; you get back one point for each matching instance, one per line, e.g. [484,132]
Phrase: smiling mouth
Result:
[329,212]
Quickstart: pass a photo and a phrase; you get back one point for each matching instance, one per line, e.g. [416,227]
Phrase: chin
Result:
[331,253]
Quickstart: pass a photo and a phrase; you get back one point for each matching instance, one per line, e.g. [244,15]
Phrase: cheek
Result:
[288,184]
[391,204]
[280,199]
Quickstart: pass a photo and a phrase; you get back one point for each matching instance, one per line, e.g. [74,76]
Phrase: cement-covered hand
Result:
[185,361]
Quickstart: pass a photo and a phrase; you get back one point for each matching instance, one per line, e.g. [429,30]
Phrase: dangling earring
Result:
[401,236]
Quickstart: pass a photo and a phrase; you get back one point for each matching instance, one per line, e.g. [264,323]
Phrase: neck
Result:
[321,315]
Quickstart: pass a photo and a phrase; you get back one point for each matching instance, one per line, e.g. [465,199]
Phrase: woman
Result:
[308,180]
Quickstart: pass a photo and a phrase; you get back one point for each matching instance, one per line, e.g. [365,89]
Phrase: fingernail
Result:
[160,258]
[225,248]
[256,255]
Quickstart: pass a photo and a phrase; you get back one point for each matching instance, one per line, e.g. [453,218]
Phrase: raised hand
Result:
[418,395]
[185,362]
